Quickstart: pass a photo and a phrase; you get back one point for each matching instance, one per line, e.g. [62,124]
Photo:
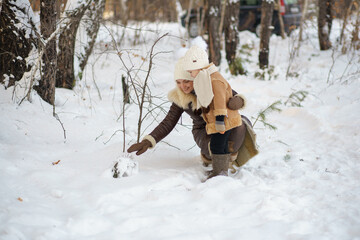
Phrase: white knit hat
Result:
[196,58]
[180,72]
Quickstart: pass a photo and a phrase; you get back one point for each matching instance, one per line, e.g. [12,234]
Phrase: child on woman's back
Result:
[213,93]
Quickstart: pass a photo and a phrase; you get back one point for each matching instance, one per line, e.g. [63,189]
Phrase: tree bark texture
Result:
[65,76]
[231,30]
[15,43]
[267,9]
[213,14]
[324,23]
[346,14]
[46,86]
[60,5]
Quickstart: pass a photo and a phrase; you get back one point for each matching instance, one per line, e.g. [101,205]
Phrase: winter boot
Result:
[220,164]
[206,161]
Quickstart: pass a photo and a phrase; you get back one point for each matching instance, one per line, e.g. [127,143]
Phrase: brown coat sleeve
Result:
[168,124]
[220,98]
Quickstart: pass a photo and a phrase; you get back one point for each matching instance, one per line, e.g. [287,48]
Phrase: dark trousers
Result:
[219,143]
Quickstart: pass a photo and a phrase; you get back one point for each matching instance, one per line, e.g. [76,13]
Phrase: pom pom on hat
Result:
[196,58]
[180,72]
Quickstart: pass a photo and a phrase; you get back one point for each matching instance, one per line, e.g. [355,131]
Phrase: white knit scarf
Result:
[203,87]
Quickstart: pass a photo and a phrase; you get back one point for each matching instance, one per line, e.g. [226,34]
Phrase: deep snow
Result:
[304,184]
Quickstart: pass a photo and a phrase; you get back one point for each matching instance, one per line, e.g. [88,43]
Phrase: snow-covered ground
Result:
[304,184]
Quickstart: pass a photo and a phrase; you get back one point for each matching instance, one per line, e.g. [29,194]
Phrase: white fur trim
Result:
[151,139]
[182,99]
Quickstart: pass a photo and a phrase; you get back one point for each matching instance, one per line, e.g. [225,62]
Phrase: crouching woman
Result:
[241,141]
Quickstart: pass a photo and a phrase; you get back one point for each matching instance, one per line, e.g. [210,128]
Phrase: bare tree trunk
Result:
[94,15]
[16,41]
[138,10]
[124,13]
[201,22]
[267,9]
[125,88]
[213,21]
[65,72]
[324,23]
[188,16]
[355,41]
[46,87]
[115,10]
[231,30]
[348,6]
[222,17]
[169,8]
